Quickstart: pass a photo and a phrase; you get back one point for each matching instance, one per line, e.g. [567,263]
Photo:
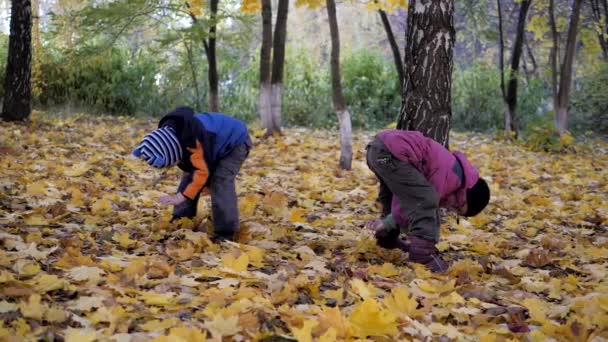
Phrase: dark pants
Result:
[417,197]
[224,204]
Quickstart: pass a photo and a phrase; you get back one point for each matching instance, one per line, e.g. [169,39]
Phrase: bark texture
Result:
[565,82]
[394,46]
[278,61]
[214,93]
[510,98]
[344,120]
[265,58]
[428,69]
[17,84]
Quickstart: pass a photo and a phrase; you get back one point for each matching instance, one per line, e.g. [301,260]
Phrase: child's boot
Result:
[424,252]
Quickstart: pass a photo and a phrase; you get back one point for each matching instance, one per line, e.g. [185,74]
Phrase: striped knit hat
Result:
[160,148]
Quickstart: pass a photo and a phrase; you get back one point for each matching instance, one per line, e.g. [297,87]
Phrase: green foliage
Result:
[589,111]
[307,91]
[476,100]
[371,88]
[543,137]
[3,56]
[109,82]
[477,103]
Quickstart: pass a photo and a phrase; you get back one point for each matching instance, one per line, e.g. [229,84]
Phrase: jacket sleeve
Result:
[200,174]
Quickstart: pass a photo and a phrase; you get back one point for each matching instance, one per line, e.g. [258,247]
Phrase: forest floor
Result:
[87,254]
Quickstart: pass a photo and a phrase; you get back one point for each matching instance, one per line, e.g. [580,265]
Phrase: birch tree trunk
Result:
[428,69]
[346,135]
[563,94]
[278,61]
[265,55]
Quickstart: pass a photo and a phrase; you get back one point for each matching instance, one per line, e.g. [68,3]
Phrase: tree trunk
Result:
[278,61]
[553,53]
[265,52]
[531,55]
[511,126]
[214,95]
[597,16]
[501,50]
[346,138]
[193,72]
[428,64]
[36,50]
[17,87]
[394,46]
[563,95]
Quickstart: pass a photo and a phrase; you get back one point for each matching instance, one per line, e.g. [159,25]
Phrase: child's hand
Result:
[169,199]
[375,225]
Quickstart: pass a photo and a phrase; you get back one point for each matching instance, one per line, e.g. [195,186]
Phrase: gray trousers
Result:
[417,196]
[224,203]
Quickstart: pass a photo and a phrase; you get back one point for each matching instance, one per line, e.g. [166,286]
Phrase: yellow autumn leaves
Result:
[87,254]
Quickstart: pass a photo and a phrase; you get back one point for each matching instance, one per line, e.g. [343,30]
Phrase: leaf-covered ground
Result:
[87,254]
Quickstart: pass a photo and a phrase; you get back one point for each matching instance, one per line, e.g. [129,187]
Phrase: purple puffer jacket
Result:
[435,162]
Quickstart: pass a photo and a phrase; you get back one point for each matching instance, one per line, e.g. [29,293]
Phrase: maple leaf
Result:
[369,319]
[33,308]
[401,302]
[222,326]
[124,240]
[304,334]
[80,335]
[236,264]
[82,273]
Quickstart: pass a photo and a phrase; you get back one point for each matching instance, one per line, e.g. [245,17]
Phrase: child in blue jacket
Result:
[210,149]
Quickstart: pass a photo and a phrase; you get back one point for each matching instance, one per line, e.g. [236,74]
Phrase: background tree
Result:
[510,93]
[394,46]
[561,91]
[18,92]
[346,136]
[265,69]
[209,44]
[428,69]
[278,61]
[599,10]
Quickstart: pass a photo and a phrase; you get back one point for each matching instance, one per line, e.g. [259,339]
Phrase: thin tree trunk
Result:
[193,72]
[553,54]
[278,61]
[501,50]
[210,53]
[36,50]
[265,52]
[394,46]
[605,3]
[346,138]
[214,95]
[563,95]
[531,55]
[428,63]
[511,126]
[524,67]
[597,16]
[17,83]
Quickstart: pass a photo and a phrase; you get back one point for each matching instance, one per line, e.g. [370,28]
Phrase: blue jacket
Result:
[205,139]
[227,131]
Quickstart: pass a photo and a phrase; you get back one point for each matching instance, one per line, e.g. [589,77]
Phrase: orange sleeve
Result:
[200,174]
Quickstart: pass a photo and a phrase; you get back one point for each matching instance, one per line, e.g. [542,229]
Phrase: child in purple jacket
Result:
[418,176]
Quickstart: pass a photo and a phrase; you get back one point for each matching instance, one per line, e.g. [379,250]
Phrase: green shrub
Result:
[107,82]
[371,88]
[477,102]
[589,111]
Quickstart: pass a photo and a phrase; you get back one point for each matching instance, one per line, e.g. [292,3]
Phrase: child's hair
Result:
[477,197]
